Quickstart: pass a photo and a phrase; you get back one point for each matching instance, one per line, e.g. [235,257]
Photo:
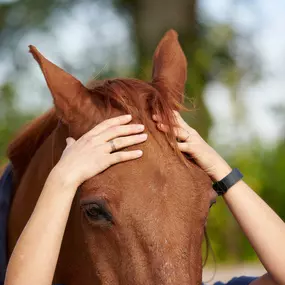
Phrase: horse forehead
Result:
[135,183]
[157,170]
[120,178]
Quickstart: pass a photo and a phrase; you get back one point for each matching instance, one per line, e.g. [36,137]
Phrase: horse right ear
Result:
[170,66]
[70,96]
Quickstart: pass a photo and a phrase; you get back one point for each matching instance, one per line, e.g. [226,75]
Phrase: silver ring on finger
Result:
[113,147]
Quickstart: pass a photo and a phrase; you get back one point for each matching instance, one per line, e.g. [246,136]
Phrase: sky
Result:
[265,18]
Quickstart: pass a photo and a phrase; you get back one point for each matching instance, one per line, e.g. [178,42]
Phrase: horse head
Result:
[138,222]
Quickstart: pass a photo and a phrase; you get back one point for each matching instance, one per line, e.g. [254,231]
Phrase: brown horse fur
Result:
[152,210]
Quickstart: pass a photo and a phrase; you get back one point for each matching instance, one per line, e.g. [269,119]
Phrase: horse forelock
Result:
[141,100]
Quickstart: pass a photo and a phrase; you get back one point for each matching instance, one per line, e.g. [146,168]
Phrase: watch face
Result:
[222,186]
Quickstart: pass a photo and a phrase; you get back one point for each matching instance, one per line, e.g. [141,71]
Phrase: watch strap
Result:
[222,186]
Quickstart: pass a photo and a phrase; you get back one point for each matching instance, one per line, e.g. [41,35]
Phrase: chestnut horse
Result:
[140,222]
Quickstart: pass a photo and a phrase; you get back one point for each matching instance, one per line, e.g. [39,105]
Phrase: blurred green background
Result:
[235,50]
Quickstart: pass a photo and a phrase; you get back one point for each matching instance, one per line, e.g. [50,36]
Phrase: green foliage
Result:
[11,119]
[273,178]
[210,47]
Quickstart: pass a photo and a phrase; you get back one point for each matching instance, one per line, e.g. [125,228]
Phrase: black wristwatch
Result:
[222,186]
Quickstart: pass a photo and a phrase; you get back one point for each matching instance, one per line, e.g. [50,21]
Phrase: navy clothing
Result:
[6,193]
[242,280]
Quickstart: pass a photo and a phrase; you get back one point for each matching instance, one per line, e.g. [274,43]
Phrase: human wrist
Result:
[221,170]
[59,176]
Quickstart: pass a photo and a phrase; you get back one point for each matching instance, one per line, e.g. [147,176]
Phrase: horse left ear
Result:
[170,66]
[69,94]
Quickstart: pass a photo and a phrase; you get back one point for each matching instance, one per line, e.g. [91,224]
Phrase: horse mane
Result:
[24,146]
[138,98]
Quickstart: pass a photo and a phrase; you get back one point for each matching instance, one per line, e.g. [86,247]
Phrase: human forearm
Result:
[262,226]
[35,256]
[264,229]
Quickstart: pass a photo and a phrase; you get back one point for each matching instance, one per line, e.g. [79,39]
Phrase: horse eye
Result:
[97,212]
[92,210]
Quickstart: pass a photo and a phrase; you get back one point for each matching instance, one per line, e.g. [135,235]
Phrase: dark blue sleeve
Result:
[242,280]
[6,183]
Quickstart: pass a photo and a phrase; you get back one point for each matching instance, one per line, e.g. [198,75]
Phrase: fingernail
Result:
[139,152]
[154,116]
[128,116]
[143,136]
[140,127]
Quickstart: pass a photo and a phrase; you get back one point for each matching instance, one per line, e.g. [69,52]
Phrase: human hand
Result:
[94,151]
[193,144]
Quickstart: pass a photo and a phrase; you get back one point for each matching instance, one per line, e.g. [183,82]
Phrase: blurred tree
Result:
[209,47]
[273,178]
[18,20]
[10,120]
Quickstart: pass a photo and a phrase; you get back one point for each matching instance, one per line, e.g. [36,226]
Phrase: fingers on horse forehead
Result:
[116,131]
[156,117]
[123,119]
[181,134]
[125,155]
[178,118]
[123,142]
[109,123]
[163,127]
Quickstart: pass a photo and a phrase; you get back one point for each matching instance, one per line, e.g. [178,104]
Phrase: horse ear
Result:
[69,94]
[170,65]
